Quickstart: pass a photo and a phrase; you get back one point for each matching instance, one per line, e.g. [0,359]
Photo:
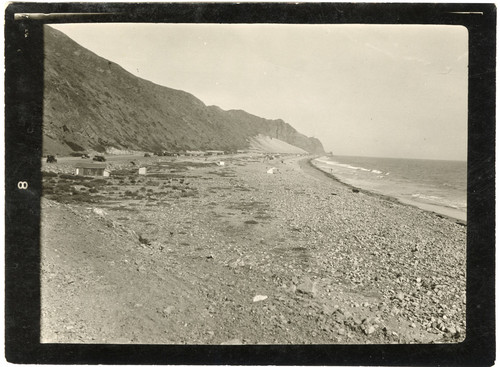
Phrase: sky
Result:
[364,90]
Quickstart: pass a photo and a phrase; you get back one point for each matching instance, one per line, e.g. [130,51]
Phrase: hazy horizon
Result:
[404,158]
[395,91]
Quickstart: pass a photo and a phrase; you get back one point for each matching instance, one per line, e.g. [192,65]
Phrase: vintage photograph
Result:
[254,184]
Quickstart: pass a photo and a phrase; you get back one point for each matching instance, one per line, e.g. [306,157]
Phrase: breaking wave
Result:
[349,166]
[442,184]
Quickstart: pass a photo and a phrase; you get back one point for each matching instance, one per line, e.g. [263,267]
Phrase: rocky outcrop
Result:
[93,103]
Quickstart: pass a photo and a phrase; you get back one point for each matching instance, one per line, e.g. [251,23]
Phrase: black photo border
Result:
[23,140]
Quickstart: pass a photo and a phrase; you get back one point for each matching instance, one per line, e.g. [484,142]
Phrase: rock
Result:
[259,298]
[341,331]
[369,330]
[347,314]
[167,311]
[307,287]
[400,296]
[232,342]
[328,310]
[395,311]
[144,241]
[99,212]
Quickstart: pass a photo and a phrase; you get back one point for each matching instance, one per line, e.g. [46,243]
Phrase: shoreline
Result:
[439,211]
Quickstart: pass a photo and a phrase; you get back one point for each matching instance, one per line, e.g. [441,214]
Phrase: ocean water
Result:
[434,185]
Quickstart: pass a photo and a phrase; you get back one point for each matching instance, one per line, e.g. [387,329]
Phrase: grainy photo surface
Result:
[254,184]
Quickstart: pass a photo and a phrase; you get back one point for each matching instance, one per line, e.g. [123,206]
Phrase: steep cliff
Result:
[93,103]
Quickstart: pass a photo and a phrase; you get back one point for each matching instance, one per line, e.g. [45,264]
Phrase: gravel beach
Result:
[196,253]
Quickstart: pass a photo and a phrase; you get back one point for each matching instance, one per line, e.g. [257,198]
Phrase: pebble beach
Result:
[204,254]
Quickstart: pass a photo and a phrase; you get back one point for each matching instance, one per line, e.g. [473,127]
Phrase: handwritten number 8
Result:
[22,185]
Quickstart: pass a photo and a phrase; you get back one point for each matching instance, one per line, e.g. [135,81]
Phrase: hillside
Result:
[262,143]
[94,104]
